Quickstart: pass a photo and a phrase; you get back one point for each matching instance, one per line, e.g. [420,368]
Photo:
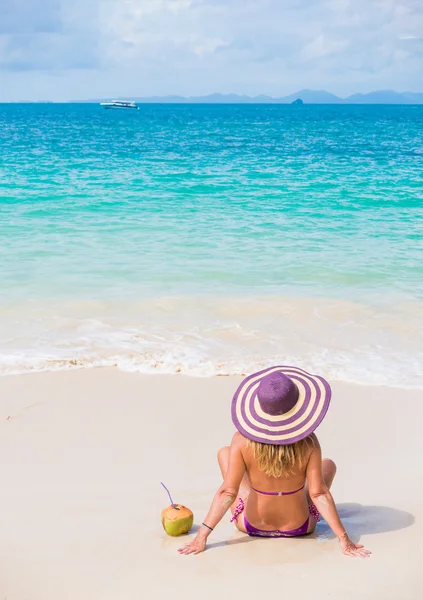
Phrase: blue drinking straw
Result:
[170,497]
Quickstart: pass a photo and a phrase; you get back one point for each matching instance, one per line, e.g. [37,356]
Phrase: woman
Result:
[274,463]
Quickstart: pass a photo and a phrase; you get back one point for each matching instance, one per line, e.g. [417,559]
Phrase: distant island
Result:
[301,97]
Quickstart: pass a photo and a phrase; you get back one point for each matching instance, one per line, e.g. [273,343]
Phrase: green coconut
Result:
[177,519]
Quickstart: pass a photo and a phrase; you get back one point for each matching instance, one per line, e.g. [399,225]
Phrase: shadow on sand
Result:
[358,520]
[362,520]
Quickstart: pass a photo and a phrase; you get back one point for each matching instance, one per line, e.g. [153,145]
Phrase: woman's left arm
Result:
[224,497]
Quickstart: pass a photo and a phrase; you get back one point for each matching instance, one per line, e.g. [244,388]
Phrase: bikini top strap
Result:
[278,493]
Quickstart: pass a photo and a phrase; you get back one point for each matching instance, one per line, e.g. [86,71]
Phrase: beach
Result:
[82,456]
[151,260]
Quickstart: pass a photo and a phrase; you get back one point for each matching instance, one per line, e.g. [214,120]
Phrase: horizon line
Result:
[306,96]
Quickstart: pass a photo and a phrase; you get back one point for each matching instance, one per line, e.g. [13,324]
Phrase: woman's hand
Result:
[197,545]
[350,549]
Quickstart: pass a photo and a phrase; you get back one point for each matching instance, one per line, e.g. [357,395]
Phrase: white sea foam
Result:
[205,336]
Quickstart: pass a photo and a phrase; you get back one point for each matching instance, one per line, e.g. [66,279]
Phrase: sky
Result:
[64,50]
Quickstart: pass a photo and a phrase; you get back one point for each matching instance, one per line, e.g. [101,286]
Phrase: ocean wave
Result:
[205,337]
[334,367]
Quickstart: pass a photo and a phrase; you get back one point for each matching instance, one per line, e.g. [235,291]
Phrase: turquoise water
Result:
[197,238]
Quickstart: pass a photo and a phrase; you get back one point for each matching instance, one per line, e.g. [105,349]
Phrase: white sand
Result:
[82,454]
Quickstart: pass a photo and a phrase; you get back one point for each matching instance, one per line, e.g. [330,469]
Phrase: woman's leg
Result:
[244,488]
[329,471]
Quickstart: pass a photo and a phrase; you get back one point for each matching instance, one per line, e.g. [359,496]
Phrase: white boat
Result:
[119,104]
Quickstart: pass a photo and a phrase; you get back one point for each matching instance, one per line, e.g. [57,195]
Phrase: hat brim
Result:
[306,415]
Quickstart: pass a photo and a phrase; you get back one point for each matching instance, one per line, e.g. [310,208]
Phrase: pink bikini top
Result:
[278,493]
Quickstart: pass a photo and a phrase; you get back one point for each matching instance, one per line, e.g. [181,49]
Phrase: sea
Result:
[213,239]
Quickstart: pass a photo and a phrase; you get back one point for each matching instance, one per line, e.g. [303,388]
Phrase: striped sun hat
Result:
[280,405]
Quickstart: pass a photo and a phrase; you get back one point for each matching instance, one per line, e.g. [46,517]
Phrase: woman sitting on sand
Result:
[274,463]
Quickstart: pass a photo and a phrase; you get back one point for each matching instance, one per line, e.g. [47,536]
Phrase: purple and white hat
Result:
[280,405]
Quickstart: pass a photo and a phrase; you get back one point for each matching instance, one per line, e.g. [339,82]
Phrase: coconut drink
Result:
[176,518]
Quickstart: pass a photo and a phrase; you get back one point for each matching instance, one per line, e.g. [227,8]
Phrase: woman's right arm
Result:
[322,498]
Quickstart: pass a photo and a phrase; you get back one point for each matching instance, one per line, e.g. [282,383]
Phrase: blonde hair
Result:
[279,461]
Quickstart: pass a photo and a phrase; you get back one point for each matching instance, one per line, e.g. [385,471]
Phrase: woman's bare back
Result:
[271,512]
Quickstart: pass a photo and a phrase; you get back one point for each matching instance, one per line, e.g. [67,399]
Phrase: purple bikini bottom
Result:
[275,533]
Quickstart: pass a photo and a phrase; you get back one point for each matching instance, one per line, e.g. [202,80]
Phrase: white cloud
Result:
[322,46]
[143,47]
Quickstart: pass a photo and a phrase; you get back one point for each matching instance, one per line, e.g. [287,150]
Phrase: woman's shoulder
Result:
[240,444]
[313,442]
[238,440]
